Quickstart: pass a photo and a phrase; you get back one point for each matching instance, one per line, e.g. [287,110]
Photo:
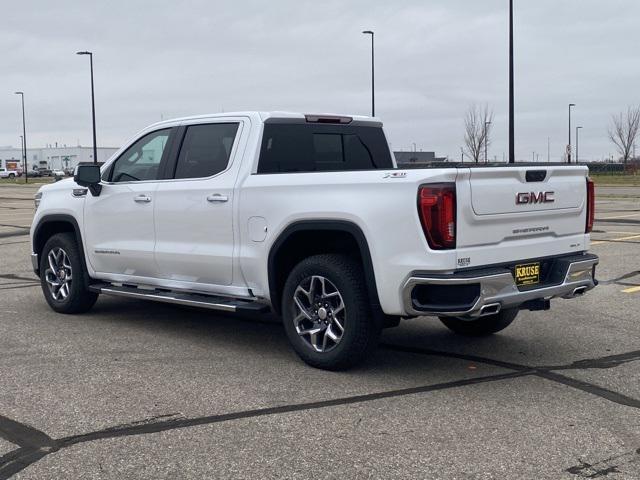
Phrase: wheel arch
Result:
[50,225]
[289,239]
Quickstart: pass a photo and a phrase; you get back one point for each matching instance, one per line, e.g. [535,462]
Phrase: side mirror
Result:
[88,175]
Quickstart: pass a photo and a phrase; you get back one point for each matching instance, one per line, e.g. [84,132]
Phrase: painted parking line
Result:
[631,290]
[619,216]
[621,239]
[25,214]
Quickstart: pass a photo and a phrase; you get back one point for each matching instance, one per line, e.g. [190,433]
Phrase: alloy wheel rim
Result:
[58,274]
[320,313]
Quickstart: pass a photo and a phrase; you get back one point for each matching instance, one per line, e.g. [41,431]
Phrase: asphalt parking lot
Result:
[145,390]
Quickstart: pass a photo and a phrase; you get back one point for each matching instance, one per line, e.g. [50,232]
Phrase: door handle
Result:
[216,197]
[142,199]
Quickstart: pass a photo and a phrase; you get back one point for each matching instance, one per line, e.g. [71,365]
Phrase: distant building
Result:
[411,158]
[51,157]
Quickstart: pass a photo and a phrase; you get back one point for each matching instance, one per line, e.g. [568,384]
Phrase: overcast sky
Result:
[160,59]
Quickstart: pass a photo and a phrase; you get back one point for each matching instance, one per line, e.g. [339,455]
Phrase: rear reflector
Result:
[437,210]
[591,205]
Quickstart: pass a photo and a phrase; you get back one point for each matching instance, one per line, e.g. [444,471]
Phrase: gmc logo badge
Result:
[533,197]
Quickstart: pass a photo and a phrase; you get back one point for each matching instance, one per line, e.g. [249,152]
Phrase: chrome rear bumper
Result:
[495,288]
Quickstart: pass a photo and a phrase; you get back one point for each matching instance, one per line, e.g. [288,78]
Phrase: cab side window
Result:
[205,150]
[141,161]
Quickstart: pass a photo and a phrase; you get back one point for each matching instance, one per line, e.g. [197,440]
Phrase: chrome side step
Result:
[210,302]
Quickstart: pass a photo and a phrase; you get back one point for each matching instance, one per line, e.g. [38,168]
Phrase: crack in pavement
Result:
[549,372]
[34,444]
[626,276]
[21,286]
[12,234]
[26,455]
[603,467]
[13,276]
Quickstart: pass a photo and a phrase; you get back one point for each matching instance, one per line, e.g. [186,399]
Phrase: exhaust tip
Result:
[579,291]
[490,309]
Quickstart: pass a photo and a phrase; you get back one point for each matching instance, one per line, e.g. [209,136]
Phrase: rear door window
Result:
[205,150]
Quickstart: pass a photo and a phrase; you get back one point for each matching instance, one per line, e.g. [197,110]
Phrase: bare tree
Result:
[624,131]
[477,126]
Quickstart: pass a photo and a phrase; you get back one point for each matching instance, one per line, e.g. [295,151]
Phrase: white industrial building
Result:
[53,158]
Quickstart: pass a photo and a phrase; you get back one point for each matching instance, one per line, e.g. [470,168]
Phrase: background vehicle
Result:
[308,216]
[45,172]
[4,173]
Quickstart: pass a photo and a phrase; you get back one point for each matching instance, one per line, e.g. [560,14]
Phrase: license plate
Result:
[528,274]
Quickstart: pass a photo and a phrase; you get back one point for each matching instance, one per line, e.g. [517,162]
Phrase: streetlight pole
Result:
[24,140]
[486,139]
[512,155]
[577,157]
[22,148]
[93,106]
[373,84]
[569,149]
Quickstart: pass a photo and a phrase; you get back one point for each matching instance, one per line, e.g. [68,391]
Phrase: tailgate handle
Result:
[536,175]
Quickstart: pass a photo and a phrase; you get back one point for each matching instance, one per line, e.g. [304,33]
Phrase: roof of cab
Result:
[262,117]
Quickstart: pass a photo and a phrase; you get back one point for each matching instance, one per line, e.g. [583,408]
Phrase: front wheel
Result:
[63,277]
[482,326]
[12,175]
[327,314]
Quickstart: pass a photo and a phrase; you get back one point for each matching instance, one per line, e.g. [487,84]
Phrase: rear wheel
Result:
[63,277]
[482,326]
[326,312]
[12,175]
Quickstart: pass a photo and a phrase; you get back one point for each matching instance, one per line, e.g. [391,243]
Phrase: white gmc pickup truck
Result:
[309,217]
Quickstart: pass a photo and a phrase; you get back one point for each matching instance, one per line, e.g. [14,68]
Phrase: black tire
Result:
[360,332]
[79,299]
[12,175]
[482,326]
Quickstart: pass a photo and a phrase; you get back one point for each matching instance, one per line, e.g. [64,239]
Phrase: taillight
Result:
[591,205]
[437,209]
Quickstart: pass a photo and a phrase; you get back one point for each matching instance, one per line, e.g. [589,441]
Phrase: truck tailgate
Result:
[538,207]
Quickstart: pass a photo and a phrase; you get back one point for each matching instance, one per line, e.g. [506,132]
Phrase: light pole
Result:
[93,106]
[22,148]
[486,139]
[24,140]
[512,155]
[373,84]
[577,157]
[569,148]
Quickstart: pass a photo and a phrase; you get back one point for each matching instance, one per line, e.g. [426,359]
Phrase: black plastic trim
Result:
[535,175]
[170,159]
[64,219]
[445,298]
[340,225]
[576,257]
